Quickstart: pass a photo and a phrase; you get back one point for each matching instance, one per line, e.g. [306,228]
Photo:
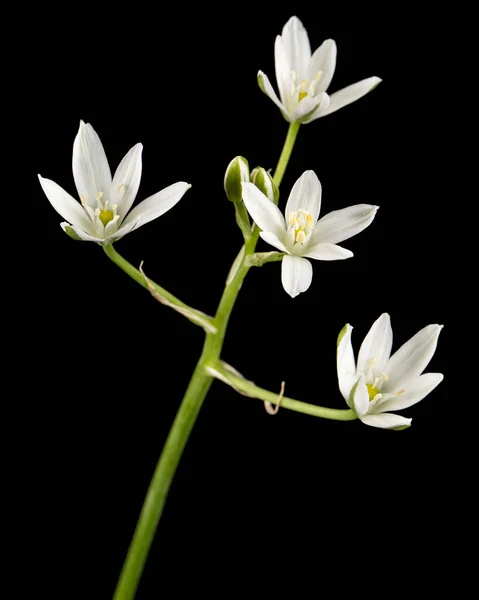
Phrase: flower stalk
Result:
[248,388]
[198,387]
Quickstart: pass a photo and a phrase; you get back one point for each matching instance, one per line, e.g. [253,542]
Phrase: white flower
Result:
[299,233]
[304,79]
[379,383]
[103,215]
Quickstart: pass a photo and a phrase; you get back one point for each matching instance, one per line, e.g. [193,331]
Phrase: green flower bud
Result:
[236,172]
[264,182]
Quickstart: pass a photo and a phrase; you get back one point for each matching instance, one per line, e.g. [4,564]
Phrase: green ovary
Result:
[105,216]
[372,391]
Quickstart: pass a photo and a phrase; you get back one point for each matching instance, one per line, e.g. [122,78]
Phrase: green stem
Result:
[253,391]
[137,276]
[196,392]
[161,481]
[286,153]
[242,218]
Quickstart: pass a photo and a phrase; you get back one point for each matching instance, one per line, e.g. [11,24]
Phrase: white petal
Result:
[415,390]
[158,204]
[90,166]
[359,399]
[374,405]
[323,107]
[124,229]
[307,107]
[126,181]
[412,358]
[283,71]
[386,421]
[266,87]
[324,60]
[83,235]
[296,275]
[342,224]
[296,47]
[306,195]
[65,205]
[327,252]
[265,213]
[376,346]
[274,240]
[345,364]
[351,93]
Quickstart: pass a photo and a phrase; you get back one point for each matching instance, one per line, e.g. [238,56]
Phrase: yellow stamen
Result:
[302,94]
[300,237]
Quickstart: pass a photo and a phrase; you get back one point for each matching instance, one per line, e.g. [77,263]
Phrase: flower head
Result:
[104,215]
[303,79]
[379,383]
[299,233]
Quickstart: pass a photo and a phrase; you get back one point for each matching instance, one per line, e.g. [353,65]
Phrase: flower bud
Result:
[236,172]
[264,182]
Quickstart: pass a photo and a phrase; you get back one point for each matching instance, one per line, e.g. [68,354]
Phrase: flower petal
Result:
[386,421]
[124,229]
[296,47]
[266,87]
[306,195]
[91,171]
[415,390]
[307,107]
[323,61]
[359,397]
[340,225]
[345,364]
[351,93]
[126,181]
[274,240]
[158,204]
[83,235]
[327,251]
[412,358]
[323,107]
[376,346]
[296,275]
[265,213]
[65,205]
[283,69]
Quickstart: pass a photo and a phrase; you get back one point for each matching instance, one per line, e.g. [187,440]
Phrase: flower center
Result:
[104,212]
[372,391]
[105,216]
[374,388]
[301,224]
[305,88]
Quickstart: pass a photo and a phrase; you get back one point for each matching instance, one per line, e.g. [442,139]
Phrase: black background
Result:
[255,495]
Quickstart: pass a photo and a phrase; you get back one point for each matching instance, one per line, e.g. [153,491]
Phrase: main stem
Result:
[190,407]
